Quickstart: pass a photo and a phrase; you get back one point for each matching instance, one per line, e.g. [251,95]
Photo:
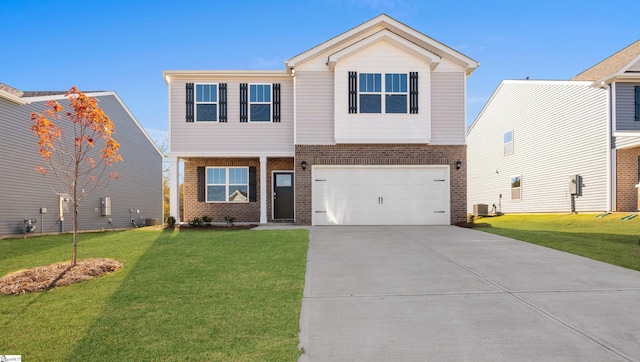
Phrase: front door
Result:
[283,196]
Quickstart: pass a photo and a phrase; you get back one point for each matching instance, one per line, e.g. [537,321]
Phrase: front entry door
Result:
[283,196]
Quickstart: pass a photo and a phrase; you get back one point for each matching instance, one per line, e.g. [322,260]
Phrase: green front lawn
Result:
[607,239]
[182,295]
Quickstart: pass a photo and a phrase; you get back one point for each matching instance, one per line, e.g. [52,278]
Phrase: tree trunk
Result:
[75,227]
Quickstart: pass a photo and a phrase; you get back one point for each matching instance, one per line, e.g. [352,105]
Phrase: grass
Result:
[607,239]
[181,295]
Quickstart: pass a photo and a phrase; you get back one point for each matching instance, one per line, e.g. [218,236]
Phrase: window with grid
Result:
[260,102]
[227,184]
[206,103]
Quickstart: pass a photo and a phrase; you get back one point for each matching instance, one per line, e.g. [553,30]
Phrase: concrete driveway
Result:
[403,293]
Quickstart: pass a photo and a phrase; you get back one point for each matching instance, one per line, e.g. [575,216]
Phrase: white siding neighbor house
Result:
[367,128]
[27,195]
[560,146]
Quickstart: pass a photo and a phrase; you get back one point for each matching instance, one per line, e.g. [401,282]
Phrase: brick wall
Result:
[381,154]
[627,179]
[242,211]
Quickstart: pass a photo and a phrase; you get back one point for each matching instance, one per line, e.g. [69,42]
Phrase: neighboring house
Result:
[367,128]
[532,138]
[137,194]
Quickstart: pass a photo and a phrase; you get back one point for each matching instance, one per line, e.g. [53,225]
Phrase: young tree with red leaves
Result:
[67,141]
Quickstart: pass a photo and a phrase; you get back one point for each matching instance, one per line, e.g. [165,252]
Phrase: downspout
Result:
[610,125]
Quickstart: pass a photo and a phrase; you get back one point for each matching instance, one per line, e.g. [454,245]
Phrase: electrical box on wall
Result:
[106,206]
[64,204]
[575,185]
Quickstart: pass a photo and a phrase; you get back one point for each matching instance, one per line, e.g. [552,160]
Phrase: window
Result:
[206,102]
[516,188]
[508,143]
[370,93]
[227,184]
[399,90]
[395,87]
[260,102]
[395,93]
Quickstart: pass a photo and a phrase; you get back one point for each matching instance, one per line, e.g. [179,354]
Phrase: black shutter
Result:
[222,102]
[637,90]
[201,183]
[413,92]
[253,189]
[276,102]
[353,92]
[189,93]
[244,104]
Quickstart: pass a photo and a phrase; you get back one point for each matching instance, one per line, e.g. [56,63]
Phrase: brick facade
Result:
[242,211]
[627,179]
[381,154]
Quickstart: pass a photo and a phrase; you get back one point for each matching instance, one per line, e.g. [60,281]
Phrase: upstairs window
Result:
[206,102]
[370,93]
[383,93]
[395,87]
[260,102]
[508,143]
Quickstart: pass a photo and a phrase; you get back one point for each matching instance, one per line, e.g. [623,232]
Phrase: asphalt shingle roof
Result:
[611,65]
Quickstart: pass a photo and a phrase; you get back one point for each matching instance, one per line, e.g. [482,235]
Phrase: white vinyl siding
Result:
[561,130]
[382,57]
[314,103]
[231,138]
[447,108]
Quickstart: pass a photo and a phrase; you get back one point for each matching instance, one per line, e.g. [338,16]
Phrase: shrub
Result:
[171,221]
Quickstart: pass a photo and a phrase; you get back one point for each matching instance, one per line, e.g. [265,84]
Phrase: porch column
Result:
[174,188]
[263,189]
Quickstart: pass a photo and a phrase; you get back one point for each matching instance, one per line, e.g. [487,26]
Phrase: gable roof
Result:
[11,94]
[347,39]
[617,64]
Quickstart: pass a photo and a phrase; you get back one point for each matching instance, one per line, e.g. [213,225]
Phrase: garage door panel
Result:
[380,195]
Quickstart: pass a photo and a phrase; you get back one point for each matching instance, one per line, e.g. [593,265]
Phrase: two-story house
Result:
[367,128]
[561,146]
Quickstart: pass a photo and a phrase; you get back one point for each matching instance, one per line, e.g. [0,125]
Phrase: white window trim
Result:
[195,102]
[383,93]
[270,103]
[227,184]
[511,188]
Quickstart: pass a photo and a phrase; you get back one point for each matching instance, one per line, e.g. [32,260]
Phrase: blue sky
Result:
[125,45]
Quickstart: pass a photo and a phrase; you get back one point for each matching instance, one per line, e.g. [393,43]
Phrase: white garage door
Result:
[380,195]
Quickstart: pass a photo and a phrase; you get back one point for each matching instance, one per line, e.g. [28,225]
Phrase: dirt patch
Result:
[472,225]
[56,275]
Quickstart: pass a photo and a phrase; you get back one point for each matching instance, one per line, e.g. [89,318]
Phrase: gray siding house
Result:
[367,128]
[532,138]
[24,193]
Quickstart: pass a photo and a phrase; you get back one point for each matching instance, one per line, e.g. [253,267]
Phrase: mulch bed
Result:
[56,275]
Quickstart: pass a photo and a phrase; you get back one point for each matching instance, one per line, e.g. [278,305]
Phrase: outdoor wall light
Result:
[458,164]
[304,165]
